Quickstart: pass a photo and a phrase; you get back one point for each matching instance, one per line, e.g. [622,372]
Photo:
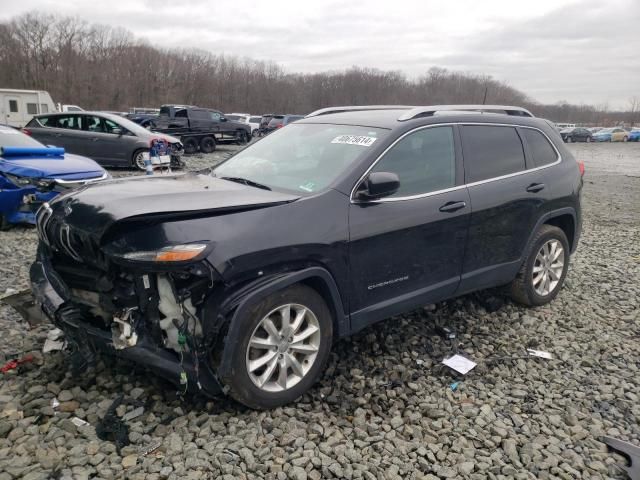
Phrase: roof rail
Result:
[428,111]
[357,108]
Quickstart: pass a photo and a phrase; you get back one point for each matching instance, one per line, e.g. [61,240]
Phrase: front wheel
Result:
[283,348]
[138,159]
[207,145]
[544,268]
[190,145]
[625,139]
[588,139]
[569,139]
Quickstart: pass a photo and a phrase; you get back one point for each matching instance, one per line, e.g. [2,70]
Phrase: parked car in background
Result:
[594,129]
[279,121]
[576,134]
[562,126]
[613,134]
[264,123]
[252,120]
[17,107]
[145,120]
[31,174]
[201,128]
[108,139]
[240,279]
[62,107]
[634,135]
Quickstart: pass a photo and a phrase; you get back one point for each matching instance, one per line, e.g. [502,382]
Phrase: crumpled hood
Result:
[51,167]
[94,208]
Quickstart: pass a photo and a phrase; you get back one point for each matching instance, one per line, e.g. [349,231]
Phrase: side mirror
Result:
[117,131]
[378,185]
[223,119]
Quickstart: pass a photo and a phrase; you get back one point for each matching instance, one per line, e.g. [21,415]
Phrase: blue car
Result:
[634,135]
[31,174]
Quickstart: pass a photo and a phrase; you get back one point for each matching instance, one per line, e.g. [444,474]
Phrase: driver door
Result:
[406,250]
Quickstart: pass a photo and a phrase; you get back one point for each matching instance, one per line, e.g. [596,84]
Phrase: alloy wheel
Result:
[283,347]
[548,267]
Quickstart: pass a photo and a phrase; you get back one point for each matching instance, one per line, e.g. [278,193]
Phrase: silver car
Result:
[106,138]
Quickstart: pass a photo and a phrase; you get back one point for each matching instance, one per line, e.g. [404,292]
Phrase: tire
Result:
[242,384]
[207,145]
[137,160]
[190,145]
[4,225]
[523,287]
[242,137]
[569,140]
[588,140]
[625,139]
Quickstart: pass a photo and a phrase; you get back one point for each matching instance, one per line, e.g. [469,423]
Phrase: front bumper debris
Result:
[53,296]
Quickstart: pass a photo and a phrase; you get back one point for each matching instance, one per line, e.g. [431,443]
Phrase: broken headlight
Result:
[173,253]
[40,183]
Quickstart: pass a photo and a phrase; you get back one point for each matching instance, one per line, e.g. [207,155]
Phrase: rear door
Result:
[507,198]
[13,111]
[103,143]
[406,250]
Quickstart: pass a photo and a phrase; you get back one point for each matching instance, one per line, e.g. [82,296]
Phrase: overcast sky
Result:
[582,51]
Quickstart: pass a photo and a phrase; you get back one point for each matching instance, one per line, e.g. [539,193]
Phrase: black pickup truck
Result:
[200,128]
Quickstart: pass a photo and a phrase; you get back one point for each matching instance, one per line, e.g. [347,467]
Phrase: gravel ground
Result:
[385,408]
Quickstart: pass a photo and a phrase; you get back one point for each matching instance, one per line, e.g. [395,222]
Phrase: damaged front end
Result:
[146,306]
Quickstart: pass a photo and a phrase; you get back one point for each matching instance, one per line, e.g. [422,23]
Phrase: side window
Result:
[425,161]
[93,124]
[13,106]
[491,152]
[44,108]
[71,122]
[215,116]
[110,125]
[181,113]
[541,150]
[32,108]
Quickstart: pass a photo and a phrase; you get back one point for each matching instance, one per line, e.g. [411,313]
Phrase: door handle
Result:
[452,206]
[535,187]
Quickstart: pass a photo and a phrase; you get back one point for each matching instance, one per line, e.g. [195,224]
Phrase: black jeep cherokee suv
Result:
[240,278]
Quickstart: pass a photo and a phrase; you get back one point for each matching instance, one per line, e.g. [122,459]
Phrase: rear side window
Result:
[32,108]
[541,150]
[61,121]
[491,152]
[13,106]
[425,161]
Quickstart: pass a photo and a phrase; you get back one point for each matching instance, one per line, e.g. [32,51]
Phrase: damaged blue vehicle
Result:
[31,174]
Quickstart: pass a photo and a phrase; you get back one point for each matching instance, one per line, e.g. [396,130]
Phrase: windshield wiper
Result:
[246,181]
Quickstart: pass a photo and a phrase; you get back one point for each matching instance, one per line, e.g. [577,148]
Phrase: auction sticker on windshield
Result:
[361,140]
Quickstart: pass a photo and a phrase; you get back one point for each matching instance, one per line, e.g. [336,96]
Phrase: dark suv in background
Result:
[241,278]
[576,134]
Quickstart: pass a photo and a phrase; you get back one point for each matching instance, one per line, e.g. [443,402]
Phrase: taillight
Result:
[581,167]
[26,131]
[280,125]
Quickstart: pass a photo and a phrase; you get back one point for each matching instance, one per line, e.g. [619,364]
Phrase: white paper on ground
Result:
[52,345]
[460,364]
[539,353]
[78,422]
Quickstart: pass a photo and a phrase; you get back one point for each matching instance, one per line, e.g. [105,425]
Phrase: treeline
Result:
[100,67]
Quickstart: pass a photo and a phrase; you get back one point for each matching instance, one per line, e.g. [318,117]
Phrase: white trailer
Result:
[17,107]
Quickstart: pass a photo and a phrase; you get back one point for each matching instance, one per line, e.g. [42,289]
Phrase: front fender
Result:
[253,294]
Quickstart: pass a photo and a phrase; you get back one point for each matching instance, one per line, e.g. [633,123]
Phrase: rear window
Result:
[491,152]
[541,150]
[255,119]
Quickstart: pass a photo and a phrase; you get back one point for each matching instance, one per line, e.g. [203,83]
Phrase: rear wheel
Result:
[625,139]
[569,139]
[138,158]
[207,144]
[242,137]
[190,145]
[283,349]
[544,269]
[588,140]
[4,225]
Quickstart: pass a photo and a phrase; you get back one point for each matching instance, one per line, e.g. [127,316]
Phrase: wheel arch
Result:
[564,218]
[316,278]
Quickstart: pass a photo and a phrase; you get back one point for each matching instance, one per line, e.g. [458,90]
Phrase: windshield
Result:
[10,137]
[606,130]
[303,158]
